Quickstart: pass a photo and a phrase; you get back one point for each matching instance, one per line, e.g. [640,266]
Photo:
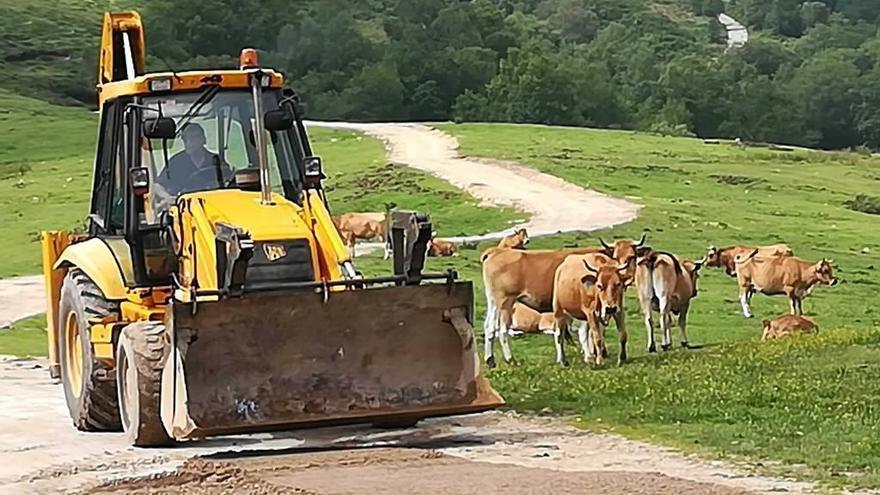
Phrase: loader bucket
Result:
[292,360]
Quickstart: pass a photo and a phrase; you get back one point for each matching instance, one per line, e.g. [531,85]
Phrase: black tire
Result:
[399,424]
[140,354]
[89,384]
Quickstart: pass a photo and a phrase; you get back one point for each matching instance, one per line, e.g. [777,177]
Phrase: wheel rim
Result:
[74,361]
[127,392]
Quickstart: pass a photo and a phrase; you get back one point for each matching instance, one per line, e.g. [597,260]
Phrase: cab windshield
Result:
[215,147]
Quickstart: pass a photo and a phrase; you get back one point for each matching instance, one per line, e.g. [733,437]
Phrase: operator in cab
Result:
[194,168]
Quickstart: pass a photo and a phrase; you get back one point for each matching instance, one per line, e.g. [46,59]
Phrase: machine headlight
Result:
[161,84]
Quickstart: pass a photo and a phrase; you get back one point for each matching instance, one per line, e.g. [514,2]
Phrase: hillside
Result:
[808,76]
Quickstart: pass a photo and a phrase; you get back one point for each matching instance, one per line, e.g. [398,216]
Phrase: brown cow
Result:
[794,277]
[786,325]
[589,287]
[367,226]
[724,257]
[527,320]
[517,240]
[666,285]
[441,247]
[513,275]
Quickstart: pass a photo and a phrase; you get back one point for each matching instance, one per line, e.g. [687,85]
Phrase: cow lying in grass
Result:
[786,325]
[528,321]
[517,240]
[666,285]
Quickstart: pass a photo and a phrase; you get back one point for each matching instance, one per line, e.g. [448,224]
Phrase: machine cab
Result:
[170,140]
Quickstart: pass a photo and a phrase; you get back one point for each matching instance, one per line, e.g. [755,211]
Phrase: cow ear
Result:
[765,324]
[589,280]
[628,281]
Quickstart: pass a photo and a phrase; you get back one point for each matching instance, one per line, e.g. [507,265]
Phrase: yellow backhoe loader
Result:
[212,293]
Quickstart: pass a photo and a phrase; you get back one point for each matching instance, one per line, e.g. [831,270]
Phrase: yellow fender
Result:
[102,264]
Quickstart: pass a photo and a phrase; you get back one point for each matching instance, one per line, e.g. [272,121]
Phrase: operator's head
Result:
[193,136]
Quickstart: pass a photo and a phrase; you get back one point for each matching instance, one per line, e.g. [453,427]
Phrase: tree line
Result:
[810,74]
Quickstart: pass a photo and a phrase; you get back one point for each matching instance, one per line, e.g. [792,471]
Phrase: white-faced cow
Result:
[667,286]
[513,275]
[794,277]
[589,288]
[724,257]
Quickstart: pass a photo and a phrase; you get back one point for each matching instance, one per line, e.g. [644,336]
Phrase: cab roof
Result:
[183,81]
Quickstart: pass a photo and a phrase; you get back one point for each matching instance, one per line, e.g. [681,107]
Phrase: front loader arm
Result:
[331,247]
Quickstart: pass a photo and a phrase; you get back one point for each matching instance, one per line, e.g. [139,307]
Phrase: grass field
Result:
[812,404]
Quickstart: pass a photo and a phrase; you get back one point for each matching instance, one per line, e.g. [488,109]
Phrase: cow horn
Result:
[643,239]
[590,268]
[605,244]
[622,267]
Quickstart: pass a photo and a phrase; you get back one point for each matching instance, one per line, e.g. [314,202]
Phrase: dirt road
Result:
[42,453]
[553,204]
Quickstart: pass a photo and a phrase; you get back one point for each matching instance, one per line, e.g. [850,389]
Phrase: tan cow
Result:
[786,325]
[528,321]
[513,275]
[517,240]
[666,285]
[441,247]
[724,257]
[794,277]
[366,226]
[589,288]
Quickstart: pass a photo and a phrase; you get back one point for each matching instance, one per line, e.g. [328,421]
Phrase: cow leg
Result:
[585,341]
[490,324]
[506,317]
[800,305]
[682,325]
[665,323]
[623,337]
[560,328]
[596,332]
[649,327]
[745,298]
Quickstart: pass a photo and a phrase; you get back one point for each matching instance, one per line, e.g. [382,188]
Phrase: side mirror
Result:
[140,180]
[160,128]
[278,120]
[313,170]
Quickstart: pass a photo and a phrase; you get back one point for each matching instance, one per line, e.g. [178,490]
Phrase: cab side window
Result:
[107,209]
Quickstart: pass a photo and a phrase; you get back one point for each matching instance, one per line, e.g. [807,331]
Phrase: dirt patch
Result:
[394,471]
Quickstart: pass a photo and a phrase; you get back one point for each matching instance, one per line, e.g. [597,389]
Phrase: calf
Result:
[512,275]
[667,286]
[724,257]
[589,287]
[440,247]
[789,275]
[786,325]
[517,240]
[527,320]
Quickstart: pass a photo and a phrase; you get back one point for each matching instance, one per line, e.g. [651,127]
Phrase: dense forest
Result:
[810,74]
